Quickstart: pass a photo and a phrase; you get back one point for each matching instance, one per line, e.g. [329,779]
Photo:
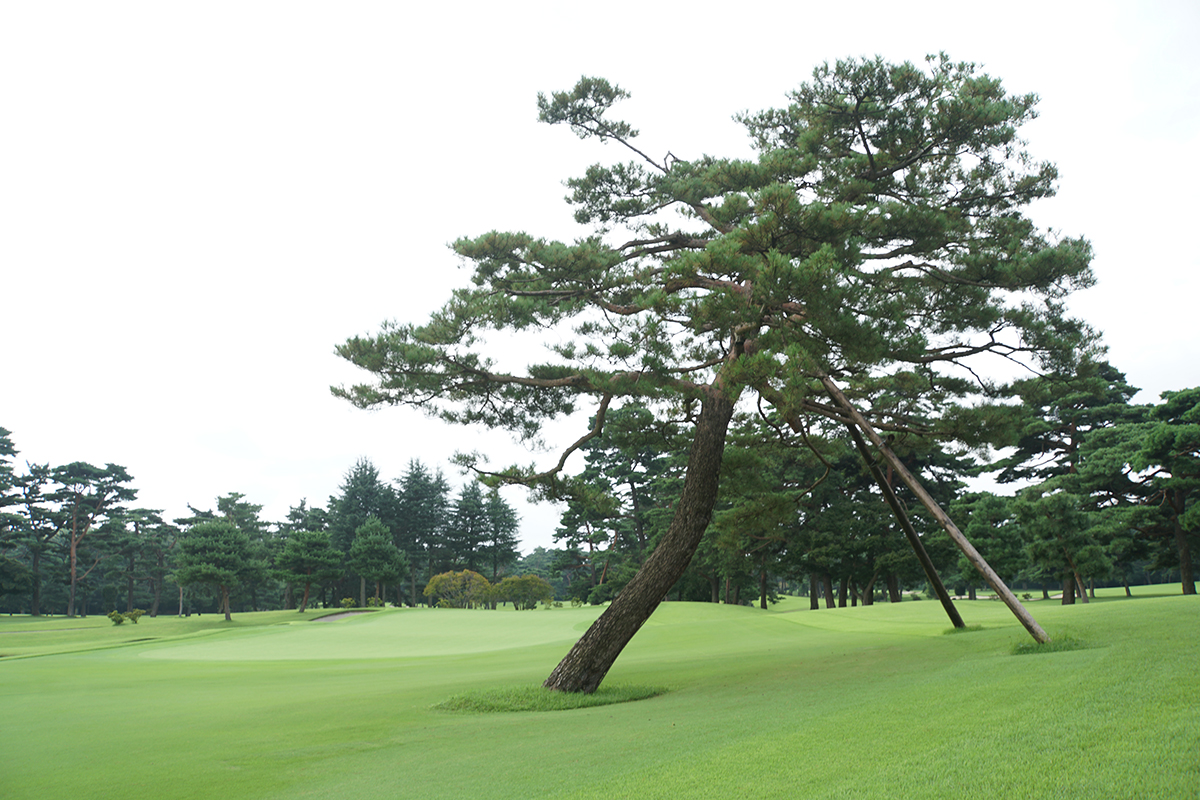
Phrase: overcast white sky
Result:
[199,200]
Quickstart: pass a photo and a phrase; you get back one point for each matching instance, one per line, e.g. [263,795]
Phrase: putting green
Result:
[410,633]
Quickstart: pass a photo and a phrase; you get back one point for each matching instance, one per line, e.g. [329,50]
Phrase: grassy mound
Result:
[1060,643]
[537,698]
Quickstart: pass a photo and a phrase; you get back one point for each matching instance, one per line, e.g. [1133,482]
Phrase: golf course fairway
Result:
[788,703]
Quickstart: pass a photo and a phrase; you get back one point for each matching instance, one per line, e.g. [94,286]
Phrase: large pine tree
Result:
[877,243]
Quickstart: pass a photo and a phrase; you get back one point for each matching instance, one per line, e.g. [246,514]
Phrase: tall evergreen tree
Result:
[498,550]
[1171,454]
[9,496]
[987,518]
[361,495]
[216,553]
[303,517]
[85,495]
[263,545]
[38,527]
[878,234]
[375,557]
[15,576]
[134,539]
[467,530]
[423,511]
[308,558]
[158,545]
[1060,535]
[1061,410]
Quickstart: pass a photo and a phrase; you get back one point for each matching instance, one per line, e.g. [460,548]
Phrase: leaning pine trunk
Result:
[594,654]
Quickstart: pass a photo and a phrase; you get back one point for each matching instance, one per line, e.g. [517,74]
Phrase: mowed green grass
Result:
[866,702]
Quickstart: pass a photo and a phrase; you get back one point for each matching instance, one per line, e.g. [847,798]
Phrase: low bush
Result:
[1058,644]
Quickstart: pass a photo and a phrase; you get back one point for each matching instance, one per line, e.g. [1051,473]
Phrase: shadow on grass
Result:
[1059,644]
[538,698]
[967,629]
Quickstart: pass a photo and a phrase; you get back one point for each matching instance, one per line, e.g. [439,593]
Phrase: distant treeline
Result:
[1105,494]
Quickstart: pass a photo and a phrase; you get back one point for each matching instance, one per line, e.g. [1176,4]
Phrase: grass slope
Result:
[786,703]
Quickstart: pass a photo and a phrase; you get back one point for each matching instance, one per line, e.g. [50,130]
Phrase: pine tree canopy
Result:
[878,237]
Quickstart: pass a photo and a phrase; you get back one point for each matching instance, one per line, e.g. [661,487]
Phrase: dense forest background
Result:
[1093,491]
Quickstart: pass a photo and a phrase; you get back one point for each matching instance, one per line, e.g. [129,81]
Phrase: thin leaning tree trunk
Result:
[906,525]
[593,655]
[968,549]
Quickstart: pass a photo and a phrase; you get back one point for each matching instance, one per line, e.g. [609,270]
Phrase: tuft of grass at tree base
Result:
[538,698]
[1059,643]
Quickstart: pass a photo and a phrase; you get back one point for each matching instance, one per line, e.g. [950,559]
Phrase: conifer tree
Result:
[307,558]
[466,531]
[499,546]
[876,243]
[216,553]
[423,507]
[375,557]
[85,495]
[1171,455]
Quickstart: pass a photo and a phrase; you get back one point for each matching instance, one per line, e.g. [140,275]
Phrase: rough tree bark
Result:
[156,582]
[35,567]
[893,587]
[960,541]
[827,583]
[762,583]
[594,654]
[1186,579]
